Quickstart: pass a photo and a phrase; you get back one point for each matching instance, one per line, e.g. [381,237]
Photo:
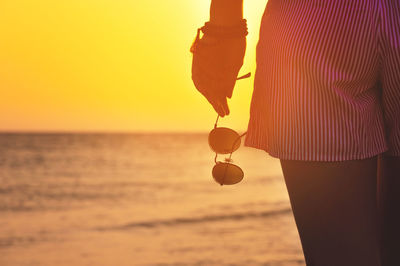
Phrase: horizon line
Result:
[139,132]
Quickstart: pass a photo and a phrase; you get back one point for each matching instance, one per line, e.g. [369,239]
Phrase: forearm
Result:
[226,12]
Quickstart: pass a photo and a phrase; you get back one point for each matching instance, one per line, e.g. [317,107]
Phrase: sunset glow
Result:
[109,66]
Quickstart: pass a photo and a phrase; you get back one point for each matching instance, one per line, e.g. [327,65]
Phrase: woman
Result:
[326,102]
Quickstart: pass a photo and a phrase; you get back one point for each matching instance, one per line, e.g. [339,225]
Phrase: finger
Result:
[210,91]
[224,105]
[218,107]
[221,106]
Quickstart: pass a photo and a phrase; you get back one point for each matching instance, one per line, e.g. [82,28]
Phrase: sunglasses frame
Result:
[228,161]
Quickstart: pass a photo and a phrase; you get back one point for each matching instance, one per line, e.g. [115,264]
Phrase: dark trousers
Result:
[335,205]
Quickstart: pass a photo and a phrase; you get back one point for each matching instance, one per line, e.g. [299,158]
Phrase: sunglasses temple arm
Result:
[248,75]
[216,122]
[238,139]
[234,143]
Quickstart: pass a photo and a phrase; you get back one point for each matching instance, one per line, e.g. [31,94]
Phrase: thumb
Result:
[224,105]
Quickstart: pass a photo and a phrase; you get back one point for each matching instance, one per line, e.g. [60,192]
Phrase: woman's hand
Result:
[215,67]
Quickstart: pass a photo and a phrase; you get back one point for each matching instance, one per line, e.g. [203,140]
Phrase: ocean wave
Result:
[10,241]
[195,220]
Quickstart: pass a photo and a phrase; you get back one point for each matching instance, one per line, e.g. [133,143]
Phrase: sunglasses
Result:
[223,140]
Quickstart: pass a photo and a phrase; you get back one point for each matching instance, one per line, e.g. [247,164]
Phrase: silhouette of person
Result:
[326,102]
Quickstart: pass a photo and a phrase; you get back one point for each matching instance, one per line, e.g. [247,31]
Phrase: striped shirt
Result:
[327,83]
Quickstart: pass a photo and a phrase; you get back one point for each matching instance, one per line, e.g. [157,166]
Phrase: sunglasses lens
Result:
[227,173]
[223,140]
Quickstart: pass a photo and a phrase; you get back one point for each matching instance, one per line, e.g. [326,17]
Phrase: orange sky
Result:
[115,65]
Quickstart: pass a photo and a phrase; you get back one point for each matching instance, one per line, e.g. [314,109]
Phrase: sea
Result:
[139,199]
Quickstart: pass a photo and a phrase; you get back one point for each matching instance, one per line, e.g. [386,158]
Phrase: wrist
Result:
[226,12]
[238,30]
